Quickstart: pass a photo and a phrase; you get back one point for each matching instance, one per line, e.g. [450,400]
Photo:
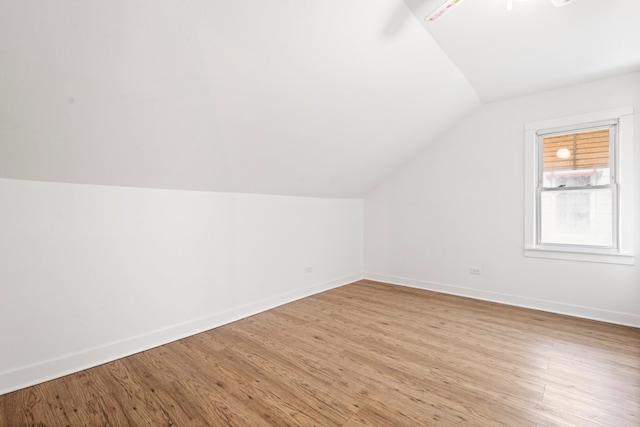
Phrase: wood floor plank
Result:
[365,354]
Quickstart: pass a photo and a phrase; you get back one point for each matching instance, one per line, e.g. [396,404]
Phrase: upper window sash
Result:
[611,125]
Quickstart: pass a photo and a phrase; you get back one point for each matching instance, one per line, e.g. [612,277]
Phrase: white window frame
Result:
[623,253]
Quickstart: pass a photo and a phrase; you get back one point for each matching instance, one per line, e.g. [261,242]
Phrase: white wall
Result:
[92,273]
[460,204]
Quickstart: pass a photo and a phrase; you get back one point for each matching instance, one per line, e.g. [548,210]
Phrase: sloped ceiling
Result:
[292,97]
[310,98]
[535,46]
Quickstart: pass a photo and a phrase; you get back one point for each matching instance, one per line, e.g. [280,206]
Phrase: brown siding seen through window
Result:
[587,150]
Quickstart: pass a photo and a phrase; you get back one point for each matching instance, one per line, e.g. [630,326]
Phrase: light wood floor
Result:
[361,355]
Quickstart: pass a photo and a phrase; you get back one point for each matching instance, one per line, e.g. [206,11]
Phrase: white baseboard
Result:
[38,373]
[626,319]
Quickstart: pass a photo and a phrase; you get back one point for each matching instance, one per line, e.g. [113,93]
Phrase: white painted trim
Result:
[626,180]
[612,258]
[578,119]
[34,374]
[619,318]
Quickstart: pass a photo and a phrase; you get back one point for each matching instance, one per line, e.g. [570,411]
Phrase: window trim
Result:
[623,253]
[612,127]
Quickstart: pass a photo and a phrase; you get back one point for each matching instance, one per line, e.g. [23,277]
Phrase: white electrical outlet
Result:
[474,270]
[308,269]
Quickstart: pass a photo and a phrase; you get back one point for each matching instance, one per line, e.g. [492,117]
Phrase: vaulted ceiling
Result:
[535,46]
[310,98]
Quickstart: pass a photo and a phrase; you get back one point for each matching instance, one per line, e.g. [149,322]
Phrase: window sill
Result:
[576,255]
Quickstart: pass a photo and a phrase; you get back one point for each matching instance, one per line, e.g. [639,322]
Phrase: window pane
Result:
[578,217]
[576,159]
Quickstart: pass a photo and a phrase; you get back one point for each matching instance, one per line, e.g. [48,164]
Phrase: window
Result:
[578,191]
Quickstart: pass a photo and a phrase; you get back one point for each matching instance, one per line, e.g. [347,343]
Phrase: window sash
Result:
[612,125]
[614,217]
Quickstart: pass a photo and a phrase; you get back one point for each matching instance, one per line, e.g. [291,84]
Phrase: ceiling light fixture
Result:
[444,7]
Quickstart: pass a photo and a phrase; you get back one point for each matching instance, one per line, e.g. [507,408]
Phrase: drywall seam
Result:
[619,318]
[34,374]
